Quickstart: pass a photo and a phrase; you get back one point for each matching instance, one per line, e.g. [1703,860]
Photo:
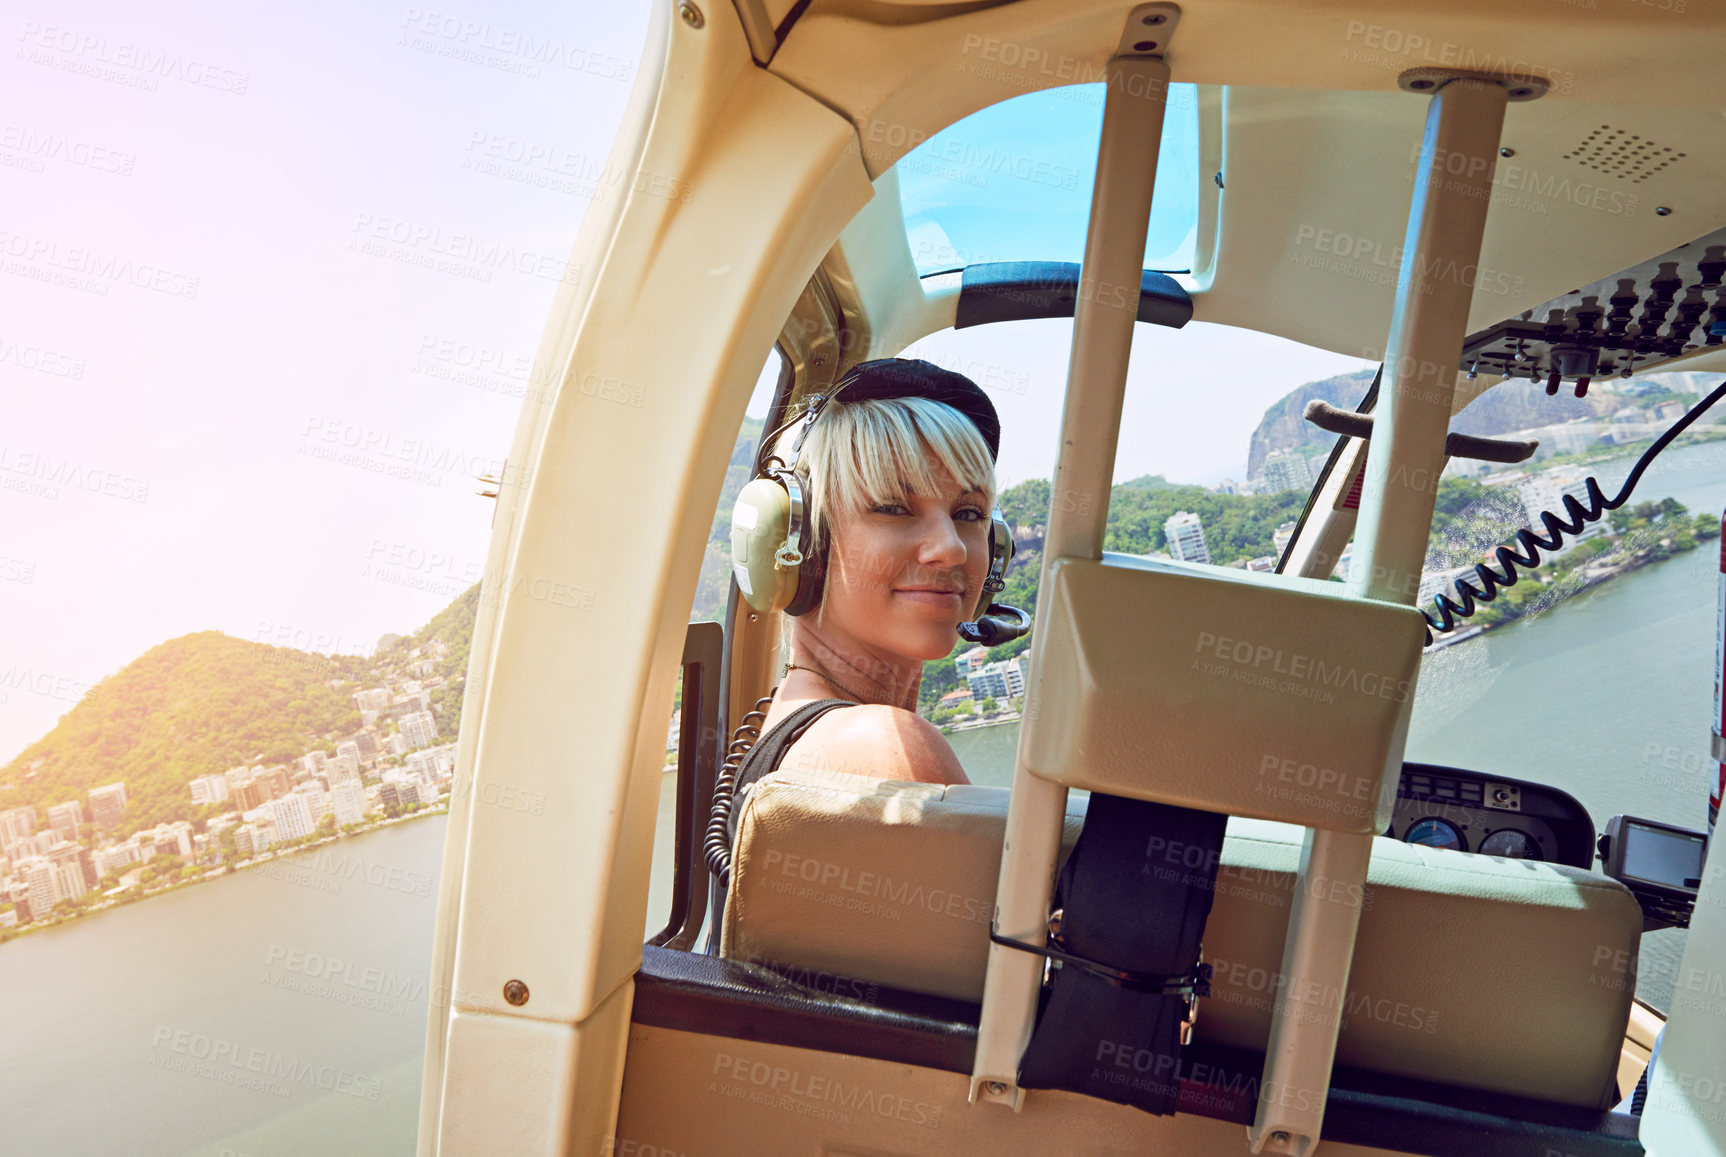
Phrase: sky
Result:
[235,241]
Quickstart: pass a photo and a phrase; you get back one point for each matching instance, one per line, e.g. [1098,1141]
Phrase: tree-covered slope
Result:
[193,705]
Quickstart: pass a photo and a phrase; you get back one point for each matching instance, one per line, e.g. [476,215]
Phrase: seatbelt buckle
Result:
[1190,998]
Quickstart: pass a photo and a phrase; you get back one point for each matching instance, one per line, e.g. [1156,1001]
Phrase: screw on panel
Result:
[691,14]
[1507,152]
[996,1088]
[1662,211]
[515,992]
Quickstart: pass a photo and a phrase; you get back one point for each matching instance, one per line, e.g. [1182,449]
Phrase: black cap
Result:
[915,378]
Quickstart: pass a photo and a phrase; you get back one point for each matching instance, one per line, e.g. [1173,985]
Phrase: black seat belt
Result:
[1124,947]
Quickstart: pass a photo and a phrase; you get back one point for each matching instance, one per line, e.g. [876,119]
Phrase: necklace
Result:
[823,676]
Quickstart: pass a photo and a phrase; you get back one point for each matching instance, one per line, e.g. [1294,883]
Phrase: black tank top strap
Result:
[764,757]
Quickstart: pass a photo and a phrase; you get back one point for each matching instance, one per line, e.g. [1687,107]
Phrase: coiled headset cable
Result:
[716,847]
[1557,526]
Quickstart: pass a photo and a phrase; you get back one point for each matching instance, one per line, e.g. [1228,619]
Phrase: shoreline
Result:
[22,930]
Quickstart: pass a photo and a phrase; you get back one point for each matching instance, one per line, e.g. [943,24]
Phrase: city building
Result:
[107,804]
[250,794]
[1003,679]
[16,824]
[1548,490]
[80,860]
[1282,536]
[349,802]
[371,703]
[970,660]
[956,698]
[292,816]
[419,729]
[40,886]
[1186,537]
[348,748]
[65,818]
[367,742]
[314,762]
[112,859]
[277,781]
[389,795]
[342,767]
[209,789]
[1287,470]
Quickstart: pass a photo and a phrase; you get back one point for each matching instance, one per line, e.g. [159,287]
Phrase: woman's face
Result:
[904,573]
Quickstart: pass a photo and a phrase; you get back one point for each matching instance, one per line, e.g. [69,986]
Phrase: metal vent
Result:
[1622,154]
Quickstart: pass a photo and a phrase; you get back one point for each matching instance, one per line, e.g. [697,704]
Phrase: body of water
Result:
[282,1011]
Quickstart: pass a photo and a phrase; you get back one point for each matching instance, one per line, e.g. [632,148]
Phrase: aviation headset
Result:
[772,535]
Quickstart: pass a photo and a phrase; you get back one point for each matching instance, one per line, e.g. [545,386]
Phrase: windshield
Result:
[1013,183]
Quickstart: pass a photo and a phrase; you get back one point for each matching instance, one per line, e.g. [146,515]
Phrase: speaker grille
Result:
[1623,154]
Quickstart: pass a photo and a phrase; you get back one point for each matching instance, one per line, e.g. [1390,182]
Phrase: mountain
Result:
[206,702]
[1284,428]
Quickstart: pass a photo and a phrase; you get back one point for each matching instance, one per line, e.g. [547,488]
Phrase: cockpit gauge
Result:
[1433,832]
[1511,844]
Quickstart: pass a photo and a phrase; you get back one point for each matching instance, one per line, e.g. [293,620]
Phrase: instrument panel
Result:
[1490,815]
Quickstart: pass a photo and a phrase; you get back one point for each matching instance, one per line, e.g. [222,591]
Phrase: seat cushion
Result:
[1471,970]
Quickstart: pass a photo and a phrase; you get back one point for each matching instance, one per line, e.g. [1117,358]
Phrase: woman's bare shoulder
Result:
[877,740]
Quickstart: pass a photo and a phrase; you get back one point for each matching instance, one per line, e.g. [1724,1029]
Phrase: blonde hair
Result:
[883,450]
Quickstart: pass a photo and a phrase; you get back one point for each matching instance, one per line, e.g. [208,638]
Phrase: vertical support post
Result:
[1103,317]
[1434,288]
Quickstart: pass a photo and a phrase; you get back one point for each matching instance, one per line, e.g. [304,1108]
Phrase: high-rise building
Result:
[348,748]
[208,789]
[1287,470]
[110,861]
[314,762]
[374,700]
[349,801]
[65,818]
[389,795]
[1186,537]
[419,729]
[293,816]
[41,887]
[69,880]
[78,858]
[1282,536]
[276,780]
[245,841]
[342,767]
[107,804]
[16,824]
[250,794]
[367,742]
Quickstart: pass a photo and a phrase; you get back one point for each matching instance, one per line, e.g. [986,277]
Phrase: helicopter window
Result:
[1601,660]
[708,605]
[1012,182]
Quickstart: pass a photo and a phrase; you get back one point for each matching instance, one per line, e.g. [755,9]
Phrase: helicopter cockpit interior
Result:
[1398,956]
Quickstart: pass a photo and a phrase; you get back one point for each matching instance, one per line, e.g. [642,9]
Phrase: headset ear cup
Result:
[811,579]
[1000,554]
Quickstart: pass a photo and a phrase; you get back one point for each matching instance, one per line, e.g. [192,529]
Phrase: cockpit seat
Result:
[1508,975]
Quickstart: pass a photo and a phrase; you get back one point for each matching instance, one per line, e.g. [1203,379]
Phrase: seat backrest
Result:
[1470,970]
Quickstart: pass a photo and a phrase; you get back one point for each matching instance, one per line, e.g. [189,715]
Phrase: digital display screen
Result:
[1660,856]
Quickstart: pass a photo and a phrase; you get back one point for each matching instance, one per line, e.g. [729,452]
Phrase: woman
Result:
[898,470]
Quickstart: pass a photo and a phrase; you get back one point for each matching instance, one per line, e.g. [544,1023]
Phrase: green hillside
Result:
[197,704]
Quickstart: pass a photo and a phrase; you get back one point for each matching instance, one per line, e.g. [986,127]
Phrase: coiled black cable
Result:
[1493,581]
[716,847]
